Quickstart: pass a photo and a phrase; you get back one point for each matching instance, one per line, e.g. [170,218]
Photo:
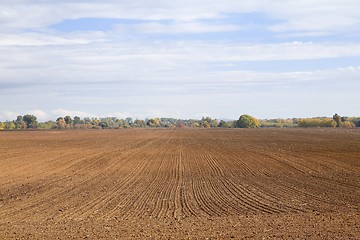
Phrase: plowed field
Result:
[144,183]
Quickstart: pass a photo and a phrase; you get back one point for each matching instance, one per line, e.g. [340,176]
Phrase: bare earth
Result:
[180,184]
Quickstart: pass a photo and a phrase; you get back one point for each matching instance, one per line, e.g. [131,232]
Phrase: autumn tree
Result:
[10,125]
[316,122]
[247,121]
[153,122]
[60,122]
[208,122]
[337,119]
[95,121]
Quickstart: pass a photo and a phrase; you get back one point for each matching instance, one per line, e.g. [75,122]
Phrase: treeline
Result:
[67,122]
[245,121]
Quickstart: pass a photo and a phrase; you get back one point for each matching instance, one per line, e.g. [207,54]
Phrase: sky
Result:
[180,58]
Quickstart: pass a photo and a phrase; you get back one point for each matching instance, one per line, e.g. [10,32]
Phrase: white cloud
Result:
[144,62]
[41,115]
[38,39]
[156,113]
[304,16]
[176,28]
[122,115]
[72,113]
[8,115]
[330,16]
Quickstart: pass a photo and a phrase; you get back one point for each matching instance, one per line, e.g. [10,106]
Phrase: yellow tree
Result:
[247,121]
[60,122]
[153,122]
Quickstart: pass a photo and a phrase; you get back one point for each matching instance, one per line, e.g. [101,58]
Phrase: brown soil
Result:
[137,183]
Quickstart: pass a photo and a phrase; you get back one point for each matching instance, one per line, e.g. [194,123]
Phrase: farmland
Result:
[180,183]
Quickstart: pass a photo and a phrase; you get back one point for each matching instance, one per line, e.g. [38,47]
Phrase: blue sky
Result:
[183,59]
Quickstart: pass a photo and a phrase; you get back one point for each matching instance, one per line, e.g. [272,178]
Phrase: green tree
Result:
[77,120]
[129,121]
[19,122]
[121,123]
[30,120]
[139,123]
[247,121]
[224,124]
[68,121]
[109,122]
[47,125]
[356,121]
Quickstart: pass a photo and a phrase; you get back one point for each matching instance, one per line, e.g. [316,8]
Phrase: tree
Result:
[19,122]
[224,124]
[68,121]
[247,121]
[10,125]
[139,123]
[348,124]
[95,122]
[60,122]
[77,120]
[153,122]
[30,120]
[196,124]
[206,122]
[337,119]
[129,121]
[316,122]
[214,123]
[356,121]
[109,122]
[47,125]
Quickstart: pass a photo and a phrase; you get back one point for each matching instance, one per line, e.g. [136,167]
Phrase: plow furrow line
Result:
[77,188]
[129,182]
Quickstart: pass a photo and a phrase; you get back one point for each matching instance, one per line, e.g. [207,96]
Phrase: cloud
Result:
[41,115]
[66,112]
[8,115]
[315,16]
[176,28]
[85,68]
[122,115]
[295,16]
[39,39]
[156,113]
